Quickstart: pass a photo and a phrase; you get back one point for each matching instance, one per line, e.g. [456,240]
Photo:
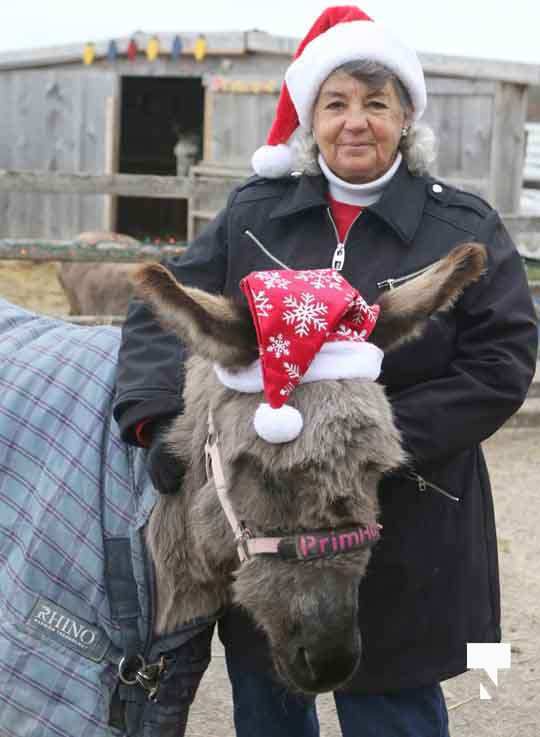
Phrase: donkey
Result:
[95,288]
[321,486]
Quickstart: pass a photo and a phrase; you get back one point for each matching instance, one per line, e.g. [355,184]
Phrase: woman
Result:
[363,203]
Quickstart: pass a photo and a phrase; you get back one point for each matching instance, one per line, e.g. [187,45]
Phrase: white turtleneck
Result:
[361,195]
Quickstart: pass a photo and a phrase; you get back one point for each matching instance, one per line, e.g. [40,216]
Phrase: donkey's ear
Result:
[210,325]
[406,309]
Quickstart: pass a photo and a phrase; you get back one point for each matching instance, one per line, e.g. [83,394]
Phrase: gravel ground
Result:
[514,709]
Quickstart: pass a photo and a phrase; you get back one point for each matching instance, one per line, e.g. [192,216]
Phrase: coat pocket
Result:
[412,576]
[394,281]
[424,358]
[425,486]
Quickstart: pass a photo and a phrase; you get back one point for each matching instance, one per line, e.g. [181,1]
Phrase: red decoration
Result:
[132,50]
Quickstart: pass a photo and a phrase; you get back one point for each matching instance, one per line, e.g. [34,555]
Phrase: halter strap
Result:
[214,470]
[305,546]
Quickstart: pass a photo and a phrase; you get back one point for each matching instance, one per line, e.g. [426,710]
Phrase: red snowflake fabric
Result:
[295,313]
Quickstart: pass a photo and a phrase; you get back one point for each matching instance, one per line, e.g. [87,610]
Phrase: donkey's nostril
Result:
[302,661]
[314,671]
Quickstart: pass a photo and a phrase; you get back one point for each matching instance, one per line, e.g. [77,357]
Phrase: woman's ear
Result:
[407,122]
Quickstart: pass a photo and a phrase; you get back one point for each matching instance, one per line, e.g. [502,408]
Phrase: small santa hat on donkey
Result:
[339,35]
[311,325]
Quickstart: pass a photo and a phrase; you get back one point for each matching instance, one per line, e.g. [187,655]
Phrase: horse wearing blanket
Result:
[84,647]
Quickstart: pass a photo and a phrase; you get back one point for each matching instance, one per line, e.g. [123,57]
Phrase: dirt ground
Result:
[514,462]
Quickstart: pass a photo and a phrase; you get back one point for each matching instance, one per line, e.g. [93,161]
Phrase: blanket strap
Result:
[127,704]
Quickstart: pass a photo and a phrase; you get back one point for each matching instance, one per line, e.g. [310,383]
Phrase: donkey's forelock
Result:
[347,424]
[212,326]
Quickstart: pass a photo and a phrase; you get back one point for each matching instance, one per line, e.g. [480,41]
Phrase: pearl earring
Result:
[404,132]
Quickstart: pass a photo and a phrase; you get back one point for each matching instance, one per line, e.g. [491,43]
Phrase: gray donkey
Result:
[320,487]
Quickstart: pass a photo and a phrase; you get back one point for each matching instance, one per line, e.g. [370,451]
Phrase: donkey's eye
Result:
[274,485]
[341,507]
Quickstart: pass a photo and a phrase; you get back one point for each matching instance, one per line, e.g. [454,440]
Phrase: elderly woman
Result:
[358,198]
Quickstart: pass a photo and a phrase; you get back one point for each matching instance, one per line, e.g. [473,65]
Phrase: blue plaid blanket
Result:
[73,498]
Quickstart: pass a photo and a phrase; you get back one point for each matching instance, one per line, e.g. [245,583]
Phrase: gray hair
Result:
[418,147]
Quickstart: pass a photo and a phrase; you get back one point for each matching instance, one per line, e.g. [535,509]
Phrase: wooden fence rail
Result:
[126,185]
[525,230]
[26,249]
[210,188]
[204,188]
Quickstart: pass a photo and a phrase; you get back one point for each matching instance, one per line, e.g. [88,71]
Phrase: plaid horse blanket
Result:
[75,580]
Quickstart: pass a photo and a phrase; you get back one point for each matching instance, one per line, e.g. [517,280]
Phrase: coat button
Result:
[437,188]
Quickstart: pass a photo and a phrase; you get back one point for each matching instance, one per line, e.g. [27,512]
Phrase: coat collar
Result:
[402,203]
[400,207]
[309,192]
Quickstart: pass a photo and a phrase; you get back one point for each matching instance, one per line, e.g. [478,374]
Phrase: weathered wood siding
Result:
[55,119]
[52,120]
[461,111]
[479,125]
[240,124]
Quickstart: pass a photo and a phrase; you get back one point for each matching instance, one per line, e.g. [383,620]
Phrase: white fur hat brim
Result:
[347,42]
[335,360]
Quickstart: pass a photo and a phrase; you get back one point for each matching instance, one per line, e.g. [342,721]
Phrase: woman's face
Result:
[357,128]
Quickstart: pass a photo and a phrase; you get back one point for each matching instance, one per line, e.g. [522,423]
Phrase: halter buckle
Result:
[242,536]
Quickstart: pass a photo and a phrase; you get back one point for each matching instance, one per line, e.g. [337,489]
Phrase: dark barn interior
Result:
[155,113]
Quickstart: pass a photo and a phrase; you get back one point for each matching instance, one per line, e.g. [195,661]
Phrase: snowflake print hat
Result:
[311,325]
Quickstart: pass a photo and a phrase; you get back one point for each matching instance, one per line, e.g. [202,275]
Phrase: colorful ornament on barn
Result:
[132,50]
[112,51]
[89,53]
[176,49]
[152,50]
[199,48]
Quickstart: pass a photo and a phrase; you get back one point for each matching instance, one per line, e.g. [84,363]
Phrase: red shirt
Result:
[343,215]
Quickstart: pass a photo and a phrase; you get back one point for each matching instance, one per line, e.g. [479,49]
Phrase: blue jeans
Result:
[262,708]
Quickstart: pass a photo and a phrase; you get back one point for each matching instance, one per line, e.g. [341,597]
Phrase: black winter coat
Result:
[432,583]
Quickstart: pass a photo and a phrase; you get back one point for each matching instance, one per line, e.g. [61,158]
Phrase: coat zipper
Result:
[338,257]
[265,250]
[423,485]
[393,281]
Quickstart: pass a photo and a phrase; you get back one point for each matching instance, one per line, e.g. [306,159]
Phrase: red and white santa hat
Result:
[339,35]
[311,325]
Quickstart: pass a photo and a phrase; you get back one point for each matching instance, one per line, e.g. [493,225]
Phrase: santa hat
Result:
[311,325]
[340,34]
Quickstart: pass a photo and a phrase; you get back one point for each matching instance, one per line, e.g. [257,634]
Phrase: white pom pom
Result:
[277,425]
[272,161]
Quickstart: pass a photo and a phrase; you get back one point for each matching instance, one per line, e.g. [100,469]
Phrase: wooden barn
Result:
[173,104]
[126,114]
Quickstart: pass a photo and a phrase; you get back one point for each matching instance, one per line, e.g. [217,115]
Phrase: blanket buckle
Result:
[146,675]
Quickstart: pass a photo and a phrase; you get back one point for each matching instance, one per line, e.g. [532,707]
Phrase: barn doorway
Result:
[155,113]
